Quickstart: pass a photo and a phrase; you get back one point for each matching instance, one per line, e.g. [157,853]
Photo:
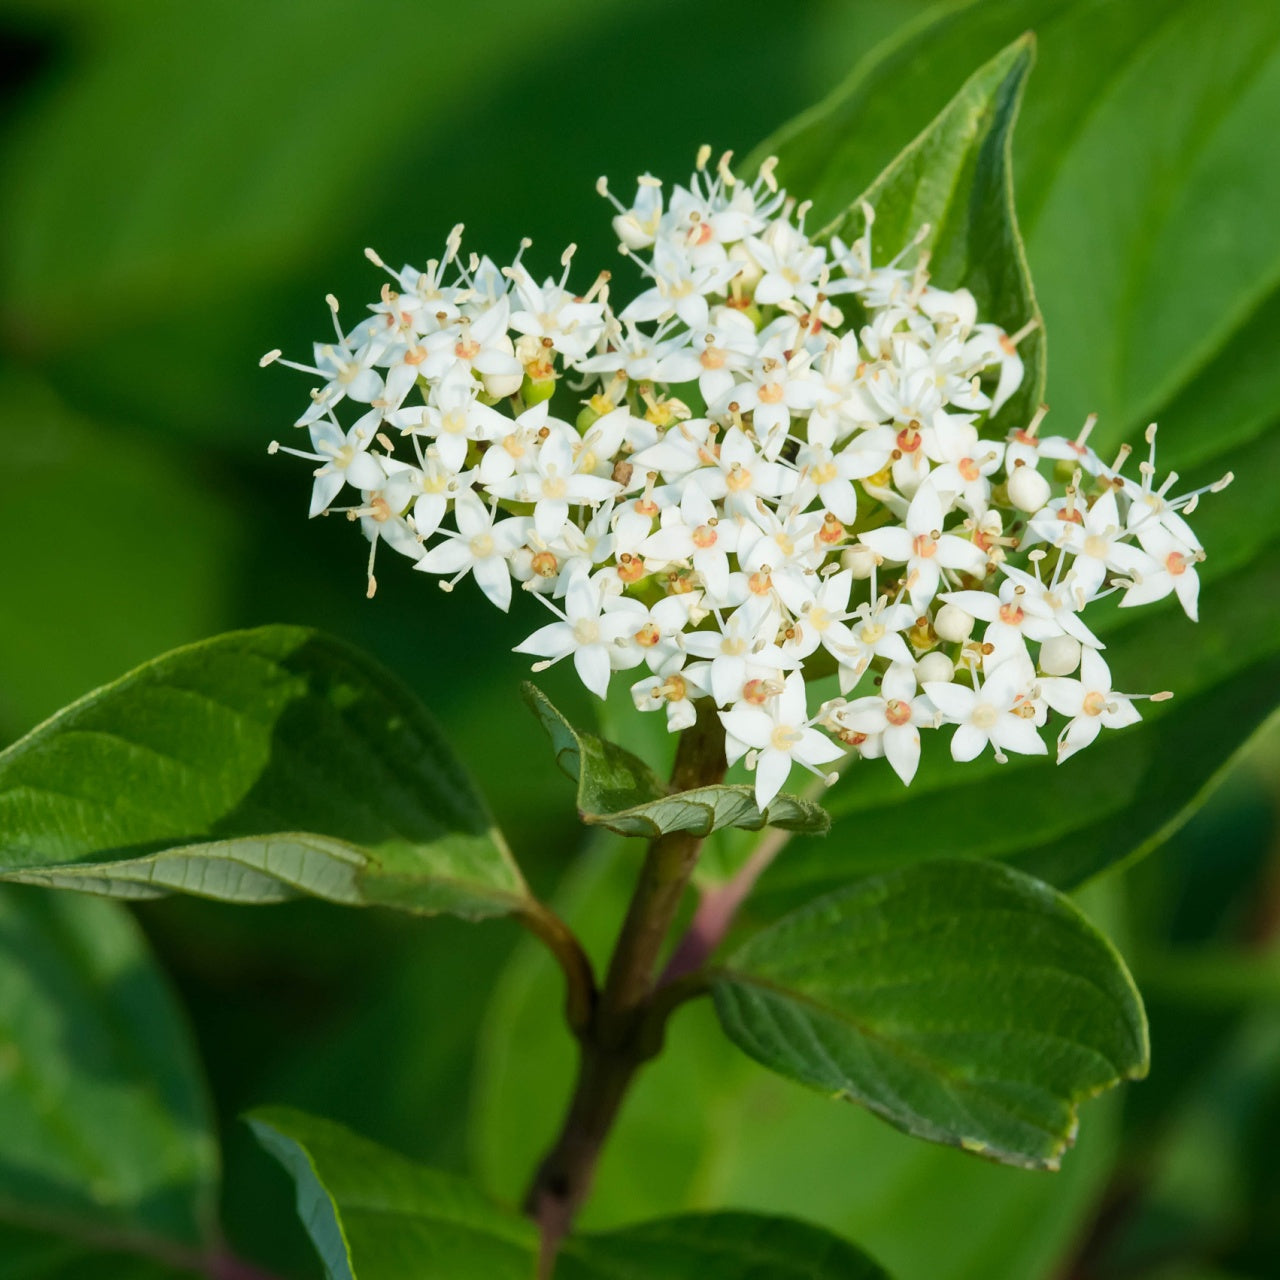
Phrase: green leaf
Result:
[252,768]
[373,1215]
[962,1001]
[619,791]
[1141,199]
[956,179]
[105,1133]
[705,1125]
[1144,210]
[717,1246]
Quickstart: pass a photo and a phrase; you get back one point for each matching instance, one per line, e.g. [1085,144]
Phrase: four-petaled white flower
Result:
[779,733]
[894,716]
[1000,711]
[1090,702]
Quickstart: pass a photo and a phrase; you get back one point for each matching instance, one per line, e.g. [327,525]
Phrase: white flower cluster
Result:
[758,485]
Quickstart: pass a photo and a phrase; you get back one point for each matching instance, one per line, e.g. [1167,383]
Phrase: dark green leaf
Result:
[105,1133]
[1144,207]
[962,1001]
[619,791]
[373,1215]
[717,1246]
[956,179]
[251,768]
[1141,197]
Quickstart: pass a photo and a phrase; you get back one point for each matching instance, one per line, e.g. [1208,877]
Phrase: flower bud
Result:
[1028,489]
[501,385]
[1059,655]
[953,623]
[535,390]
[859,560]
[934,666]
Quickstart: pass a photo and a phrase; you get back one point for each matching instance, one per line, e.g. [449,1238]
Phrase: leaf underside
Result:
[619,791]
[254,767]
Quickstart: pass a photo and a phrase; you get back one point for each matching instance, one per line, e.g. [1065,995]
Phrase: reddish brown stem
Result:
[619,1035]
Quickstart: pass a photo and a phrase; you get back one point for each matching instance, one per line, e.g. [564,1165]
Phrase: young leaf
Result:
[373,1215]
[251,768]
[962,1001]
[105,1132]
[956,179]
[619,791]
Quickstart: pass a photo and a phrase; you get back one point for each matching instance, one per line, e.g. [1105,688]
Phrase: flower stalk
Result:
[626,1025]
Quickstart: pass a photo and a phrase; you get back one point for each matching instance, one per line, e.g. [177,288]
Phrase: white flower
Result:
[894,716]
[788,261]
[677,691]
[1172,568]
[924,548]
[344,456]
[551,481]
[1090,702]
[590,628]
[775,389]
[1096,540]
[571,325]
[480,547]
[680,287]
[999,711]
[874,632]
[695,532]
[741,650]
[780,733]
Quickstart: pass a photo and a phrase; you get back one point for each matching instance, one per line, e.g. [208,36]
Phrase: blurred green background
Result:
[182,183]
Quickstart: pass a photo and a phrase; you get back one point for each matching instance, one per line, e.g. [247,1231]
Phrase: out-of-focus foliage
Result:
[182,184]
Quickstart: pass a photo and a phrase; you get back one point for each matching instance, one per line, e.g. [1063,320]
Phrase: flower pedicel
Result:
[834,502]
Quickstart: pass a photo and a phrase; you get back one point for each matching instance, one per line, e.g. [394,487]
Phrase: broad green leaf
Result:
[961,1001]
[619,791]
[252,768]
[1139,190]
[1144,209]
[705,1125]
[105,1132]
[373,1215]
[956,179]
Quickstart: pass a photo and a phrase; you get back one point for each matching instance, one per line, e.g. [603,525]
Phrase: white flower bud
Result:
[1059,655]
[632,232]
[1028,489]
[859,560]
[502,385]
[934,666]
[953,623]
